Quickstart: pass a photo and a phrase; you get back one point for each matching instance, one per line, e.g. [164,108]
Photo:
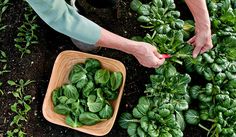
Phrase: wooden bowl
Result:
[59,76]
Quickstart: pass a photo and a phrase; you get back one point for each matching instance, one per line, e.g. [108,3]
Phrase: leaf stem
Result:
[203,127]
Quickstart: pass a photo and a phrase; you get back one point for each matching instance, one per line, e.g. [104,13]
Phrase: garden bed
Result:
[38,65]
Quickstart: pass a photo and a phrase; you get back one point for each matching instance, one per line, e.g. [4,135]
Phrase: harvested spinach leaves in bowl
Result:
[84,100]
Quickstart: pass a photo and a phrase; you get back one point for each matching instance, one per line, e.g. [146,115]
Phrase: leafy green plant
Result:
[1,91]
[168,90]
[3,62]
[21,107]
[84,100]
[3,7]
[26,35]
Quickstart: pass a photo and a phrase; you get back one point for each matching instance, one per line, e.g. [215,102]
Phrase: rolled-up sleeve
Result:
[65,19]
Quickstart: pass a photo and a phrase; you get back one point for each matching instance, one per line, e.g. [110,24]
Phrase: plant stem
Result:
[203,127]
[211,120]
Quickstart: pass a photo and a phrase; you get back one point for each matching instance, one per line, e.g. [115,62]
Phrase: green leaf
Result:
[208,58]
[27,108]
[136,113]
[70,91]
[181,105]
[79,77]
[144,9]
[216,68]
[102,76]
[106,112]
[95,104]
[14,107]
[92,65]
[88,88]
[62,109]
[73,123]
[143,19]
[209,88]
[140,132]
[132,128]
[135,5]
[11,82]
[180,120]
[125,119]
[110,95]
[115,80]
[55,95]
[88,118]
[62,99]
[78,68]
[192,117]
[143,105]
[144,123]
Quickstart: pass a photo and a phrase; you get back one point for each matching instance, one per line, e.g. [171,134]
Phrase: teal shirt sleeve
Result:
[65,19]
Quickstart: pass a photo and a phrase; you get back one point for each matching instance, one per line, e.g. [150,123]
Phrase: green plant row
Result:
[85,99]
[26,35]
[20,108]
[160,112]
[3,7]
[3,63]
[215,100]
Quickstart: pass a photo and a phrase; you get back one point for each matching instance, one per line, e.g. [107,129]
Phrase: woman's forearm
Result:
[111,40]
[200,13]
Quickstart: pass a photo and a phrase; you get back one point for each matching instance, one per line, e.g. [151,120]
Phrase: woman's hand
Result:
[201,41]
[147,55]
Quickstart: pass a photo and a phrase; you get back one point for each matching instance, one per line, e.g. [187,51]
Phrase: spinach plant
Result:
[21,107]
[26,35]
[3,63]
[3,7]
[85,99]
[1,91]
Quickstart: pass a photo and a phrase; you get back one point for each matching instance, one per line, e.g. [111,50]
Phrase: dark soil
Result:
[38,66]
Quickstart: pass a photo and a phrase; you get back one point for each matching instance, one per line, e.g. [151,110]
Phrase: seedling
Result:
[1,91]
[3,7]
[21,107]
[26,35]
[3,61]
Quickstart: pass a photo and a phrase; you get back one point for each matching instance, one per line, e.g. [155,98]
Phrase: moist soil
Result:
[38,66]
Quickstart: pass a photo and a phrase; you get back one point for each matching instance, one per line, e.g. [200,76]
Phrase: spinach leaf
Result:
[115,80]
[89,87]
[192,117]
[95,104]
[106,112]
[62,109]
[70,91]
[88,118]
[102,76]
[91,65]
[73,123]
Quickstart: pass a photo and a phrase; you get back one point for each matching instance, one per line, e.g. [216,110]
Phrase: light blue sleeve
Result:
[65,19]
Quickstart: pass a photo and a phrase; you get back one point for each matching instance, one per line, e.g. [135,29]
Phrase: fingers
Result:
[159,63]
[192,40]
[158,55]
[196,51]
[207,47]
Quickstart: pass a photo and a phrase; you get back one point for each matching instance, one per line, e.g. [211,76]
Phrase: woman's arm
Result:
[145,53]
[202,39]
[63,18]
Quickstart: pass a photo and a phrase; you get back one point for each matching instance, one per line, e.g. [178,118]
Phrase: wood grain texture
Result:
[62,66]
